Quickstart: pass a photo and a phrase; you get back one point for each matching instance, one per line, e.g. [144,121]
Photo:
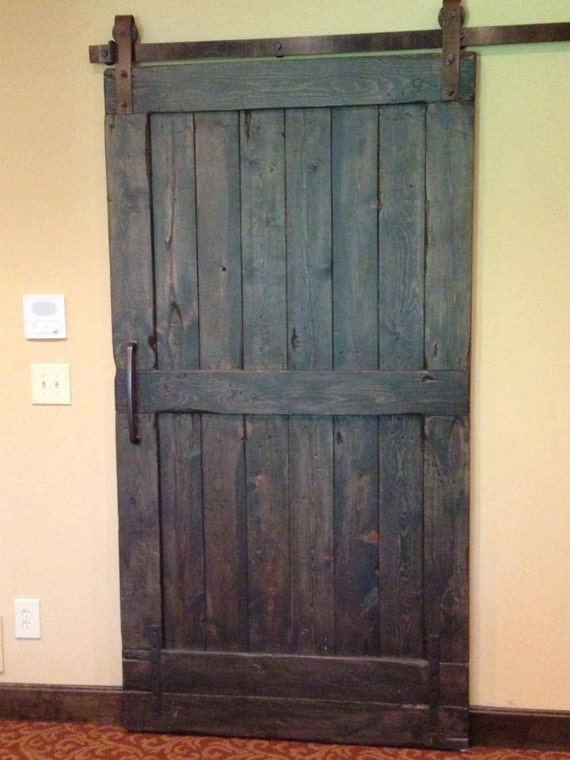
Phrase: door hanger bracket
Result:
[125,35]
[451,18]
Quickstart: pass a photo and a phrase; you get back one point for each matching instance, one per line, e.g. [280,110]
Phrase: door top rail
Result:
[125,51]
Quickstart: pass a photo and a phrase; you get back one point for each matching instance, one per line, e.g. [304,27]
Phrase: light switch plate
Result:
[50,384]
[44,317]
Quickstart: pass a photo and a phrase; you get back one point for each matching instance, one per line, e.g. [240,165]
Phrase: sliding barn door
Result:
[290,245]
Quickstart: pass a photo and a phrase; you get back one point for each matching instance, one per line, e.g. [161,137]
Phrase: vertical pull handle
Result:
[134,436]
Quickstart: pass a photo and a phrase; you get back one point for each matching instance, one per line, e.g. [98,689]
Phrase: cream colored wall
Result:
[57,483]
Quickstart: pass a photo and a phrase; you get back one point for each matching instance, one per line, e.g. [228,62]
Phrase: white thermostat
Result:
[44,317]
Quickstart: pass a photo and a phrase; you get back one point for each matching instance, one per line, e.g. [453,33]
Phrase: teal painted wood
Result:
[263,239]
[311,534]
[400,549]
[175,257]
[355,340]
[268,535]
[289,83]
[449,224]
[178,346]
[182,530]
[309,238]
[323,392]
[265,346]
[401,237]
[446,539]
[302,286]
[309,320]
[132,291]
[356,536]
[401,252]
[355,246]
[224,504]
[219,242]
[139,535]
[219,260]
[130,236]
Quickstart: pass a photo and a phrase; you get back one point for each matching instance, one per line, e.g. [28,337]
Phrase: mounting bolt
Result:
[450,92]
[450,58]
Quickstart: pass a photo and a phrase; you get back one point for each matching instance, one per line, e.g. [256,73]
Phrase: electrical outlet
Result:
[50,384]
[1,645]
[27,618]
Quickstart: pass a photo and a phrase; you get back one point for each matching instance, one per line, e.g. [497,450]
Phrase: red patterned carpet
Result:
[68,741]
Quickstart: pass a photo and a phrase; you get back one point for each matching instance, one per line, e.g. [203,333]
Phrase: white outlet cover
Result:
[27,618]
[44,317]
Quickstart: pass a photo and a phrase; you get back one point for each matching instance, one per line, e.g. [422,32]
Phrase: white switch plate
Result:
[44,317]
[50,384]
[27,618]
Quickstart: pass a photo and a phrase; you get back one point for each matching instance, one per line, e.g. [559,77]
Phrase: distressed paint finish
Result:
[220,294]
[293,259]
[290,83]
[401,252]
[177,343]
[355,336]
[310,346]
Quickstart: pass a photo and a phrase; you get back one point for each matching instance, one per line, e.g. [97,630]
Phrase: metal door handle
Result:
[131,392]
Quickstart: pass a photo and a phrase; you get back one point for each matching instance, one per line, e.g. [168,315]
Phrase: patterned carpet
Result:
[68,741]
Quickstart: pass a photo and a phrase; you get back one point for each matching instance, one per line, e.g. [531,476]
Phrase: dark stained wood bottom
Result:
[489,727]
[522,729]
[99,705]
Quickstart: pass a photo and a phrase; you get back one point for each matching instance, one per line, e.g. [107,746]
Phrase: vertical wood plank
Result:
[309,238]
[130,236]
[139,534]
[447,535]
[448,260]
[263,239]
[132,292]
[174,218]
[401,229]
[182,531]
[356,536]
[355,284]
[265,346]
[219,261]
[177,344]
[225,532]
[401,346]
[355,241]
[309,309]
[268,534]
[311,528]
[449,182]
[401,536]
[219,244]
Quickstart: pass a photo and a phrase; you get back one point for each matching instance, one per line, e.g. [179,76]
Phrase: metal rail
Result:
[125,52]
[160,52]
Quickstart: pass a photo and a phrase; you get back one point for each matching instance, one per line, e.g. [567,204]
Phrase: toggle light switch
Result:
[50,384]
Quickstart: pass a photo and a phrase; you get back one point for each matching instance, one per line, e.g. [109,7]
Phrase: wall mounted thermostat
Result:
[44,317]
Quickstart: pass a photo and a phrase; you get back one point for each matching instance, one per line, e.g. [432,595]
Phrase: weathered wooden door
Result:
[290,244]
